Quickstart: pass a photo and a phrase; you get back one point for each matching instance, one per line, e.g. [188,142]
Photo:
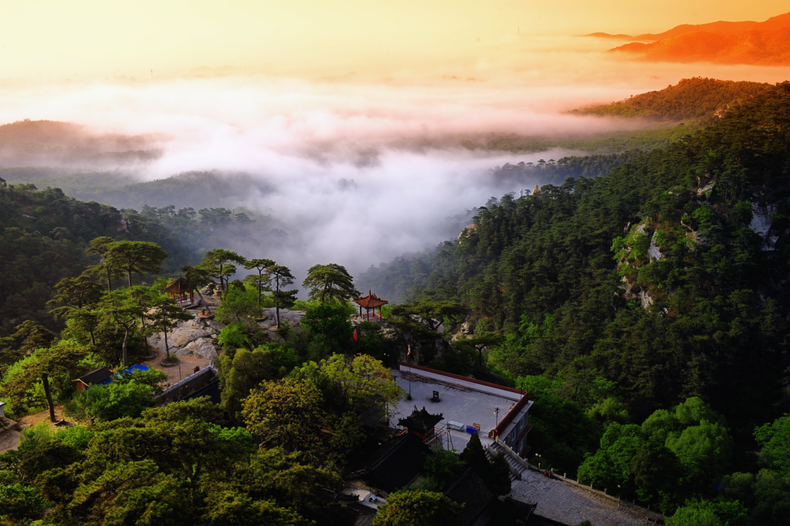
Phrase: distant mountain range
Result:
[755,43]
[45,143]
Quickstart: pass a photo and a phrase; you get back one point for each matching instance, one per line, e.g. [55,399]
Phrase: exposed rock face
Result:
[707,188]
[653,251]
[761,224]
[645,299]
[291,317]
[465,232]
[195,336]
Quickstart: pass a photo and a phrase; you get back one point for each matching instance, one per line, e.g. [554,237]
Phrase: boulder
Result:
[183,337]
[203,347]
[292,317]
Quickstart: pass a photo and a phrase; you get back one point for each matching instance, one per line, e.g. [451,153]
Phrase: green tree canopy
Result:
[710,513]
[261,282]
[108,268]
[242,371]
[329,329]
[113,401]
[417,508]
[59,363]
[220,263]
[774,438]
[287,413]
[330,282]
[135,257]
[281,277]
[123,311]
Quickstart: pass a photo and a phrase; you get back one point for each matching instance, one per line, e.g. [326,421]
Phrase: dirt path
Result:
[10,439]
[187,364]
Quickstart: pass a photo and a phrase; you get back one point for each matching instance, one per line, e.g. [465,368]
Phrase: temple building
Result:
[371,301]
[421,423]
[496,413]
[180,287]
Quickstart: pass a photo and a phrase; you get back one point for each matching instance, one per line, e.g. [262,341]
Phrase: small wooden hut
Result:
[371,301]
[181,286]
[99,376]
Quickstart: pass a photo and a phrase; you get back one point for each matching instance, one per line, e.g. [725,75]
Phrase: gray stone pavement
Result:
[569,504]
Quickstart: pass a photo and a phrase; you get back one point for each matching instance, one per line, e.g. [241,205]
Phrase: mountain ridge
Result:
[764,43]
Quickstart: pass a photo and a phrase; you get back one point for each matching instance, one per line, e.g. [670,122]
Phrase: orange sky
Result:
[98,38]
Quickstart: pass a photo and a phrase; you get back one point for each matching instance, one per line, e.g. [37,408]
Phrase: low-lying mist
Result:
[355,170]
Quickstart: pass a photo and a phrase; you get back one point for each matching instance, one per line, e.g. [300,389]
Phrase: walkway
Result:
[568,504]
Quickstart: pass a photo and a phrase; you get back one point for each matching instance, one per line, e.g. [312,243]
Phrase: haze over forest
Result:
[358,165]
[598,222]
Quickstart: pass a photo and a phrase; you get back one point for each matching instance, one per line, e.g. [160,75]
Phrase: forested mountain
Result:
[699,99]
[43,236]
[640,298]
[395,280]
[30,143]
[666,277]
[123,189]
[658,135]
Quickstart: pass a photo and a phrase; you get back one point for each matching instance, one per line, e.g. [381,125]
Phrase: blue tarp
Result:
[130,370]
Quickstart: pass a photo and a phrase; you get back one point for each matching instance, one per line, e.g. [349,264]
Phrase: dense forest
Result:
[654,135]
[695,99]
[43,236]
[663,281]
[638,297]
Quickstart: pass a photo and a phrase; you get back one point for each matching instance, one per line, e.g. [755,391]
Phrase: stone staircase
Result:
[516,467]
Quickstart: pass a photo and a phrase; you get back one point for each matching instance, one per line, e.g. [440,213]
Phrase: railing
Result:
[436,440]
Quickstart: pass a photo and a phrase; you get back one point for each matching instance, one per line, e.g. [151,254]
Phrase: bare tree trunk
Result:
[260,278]
[125,346]
[48,394]
[167,348]
[208,308]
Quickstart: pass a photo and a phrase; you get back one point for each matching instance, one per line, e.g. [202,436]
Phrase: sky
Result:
[98,38]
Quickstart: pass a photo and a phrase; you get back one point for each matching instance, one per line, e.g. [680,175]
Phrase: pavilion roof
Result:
[421,420]
[179,285]
[371,301]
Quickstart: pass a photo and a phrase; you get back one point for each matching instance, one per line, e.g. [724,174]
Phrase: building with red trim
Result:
[466,405]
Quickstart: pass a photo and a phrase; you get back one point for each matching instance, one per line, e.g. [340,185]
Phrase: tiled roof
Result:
[371,301]
[471,490]
[420,421]
[393,464]
[179,285]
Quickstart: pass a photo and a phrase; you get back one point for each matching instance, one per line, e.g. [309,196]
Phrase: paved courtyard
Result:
[568,504]
[457,404]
